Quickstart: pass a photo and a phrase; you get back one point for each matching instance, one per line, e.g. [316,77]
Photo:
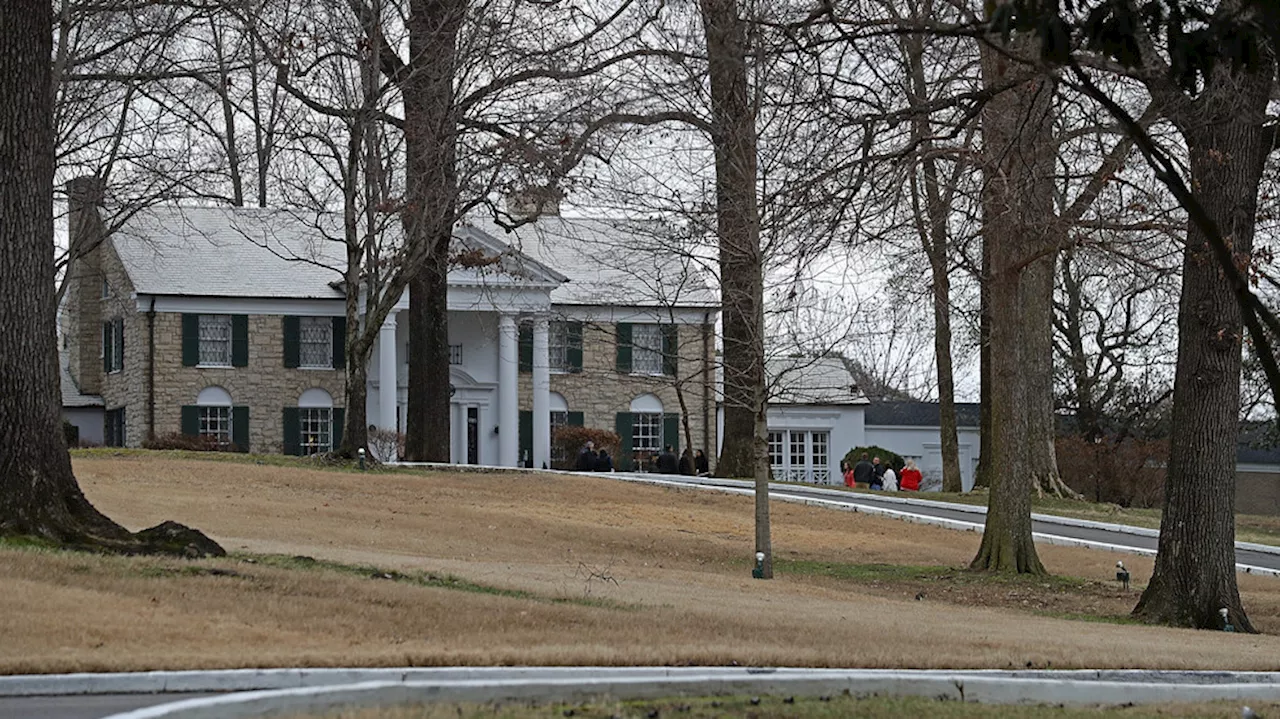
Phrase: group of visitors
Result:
[873,474]
[590,460]
[665,462]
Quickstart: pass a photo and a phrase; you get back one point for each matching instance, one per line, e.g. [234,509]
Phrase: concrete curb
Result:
[1079,688]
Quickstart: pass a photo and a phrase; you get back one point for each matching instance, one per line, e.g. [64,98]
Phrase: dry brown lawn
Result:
[681,594]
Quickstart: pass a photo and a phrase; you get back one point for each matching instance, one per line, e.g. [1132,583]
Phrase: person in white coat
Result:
[890,480]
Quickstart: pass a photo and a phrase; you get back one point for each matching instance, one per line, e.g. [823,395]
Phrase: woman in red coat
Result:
[910,479]
[847,471]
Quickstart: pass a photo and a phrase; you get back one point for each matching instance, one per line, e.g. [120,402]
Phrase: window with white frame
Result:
[800,455]
[819,461]
[775,449]
[558,346]
[215,423]
[646,349]
[215,340]
[455,354]
[316,424]
[315,342]
[559,418]
[646,432]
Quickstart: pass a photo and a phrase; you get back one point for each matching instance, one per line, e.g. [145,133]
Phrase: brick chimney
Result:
[84,278]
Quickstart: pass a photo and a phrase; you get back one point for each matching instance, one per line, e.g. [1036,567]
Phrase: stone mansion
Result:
[229,322]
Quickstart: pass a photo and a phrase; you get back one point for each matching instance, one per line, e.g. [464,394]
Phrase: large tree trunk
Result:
[430,145]
[39,495]
[745,445]
[1018,238]
[1195,573]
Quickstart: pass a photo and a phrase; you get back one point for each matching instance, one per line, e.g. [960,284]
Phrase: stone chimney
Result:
[535,202]
[84,279]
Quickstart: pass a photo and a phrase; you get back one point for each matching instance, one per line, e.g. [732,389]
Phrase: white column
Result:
[541,394]
[387,378]
[508,391]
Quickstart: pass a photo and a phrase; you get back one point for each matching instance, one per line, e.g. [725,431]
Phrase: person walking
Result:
[877,474]
[863,472]
[889,482]
[604,463]
[667,463]
[587,458]
[911,476]
[686,462]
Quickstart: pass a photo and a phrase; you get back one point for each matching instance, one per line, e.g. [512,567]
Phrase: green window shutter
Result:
[239,340]
[191,420]
[339,423]
[671,431]
[670,349]
[576,419]
[624,347]
[107,353]
[574,350]
[119,344]
[240,428]
[292,431]
[190,340]
[292,341]
[339,343]
[624,424]
[526,348]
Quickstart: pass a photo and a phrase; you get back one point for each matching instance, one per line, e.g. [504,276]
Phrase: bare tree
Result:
[39,495]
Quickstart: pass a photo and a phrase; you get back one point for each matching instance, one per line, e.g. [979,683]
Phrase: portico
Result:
[487,306]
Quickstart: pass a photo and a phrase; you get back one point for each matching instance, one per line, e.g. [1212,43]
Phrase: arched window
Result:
[315,422]
[213,408]
[646,424]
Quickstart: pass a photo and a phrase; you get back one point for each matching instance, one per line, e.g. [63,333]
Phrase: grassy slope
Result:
[394,568]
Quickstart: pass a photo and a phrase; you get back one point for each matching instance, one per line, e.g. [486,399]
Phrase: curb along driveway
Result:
[253,693]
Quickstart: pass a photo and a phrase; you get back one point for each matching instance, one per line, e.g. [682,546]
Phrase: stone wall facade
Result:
[126,388]
[265,386]
[600,391]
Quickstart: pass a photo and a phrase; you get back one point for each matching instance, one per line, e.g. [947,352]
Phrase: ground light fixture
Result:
[1227,626]
[758,572]
[1122,574]
[360,452]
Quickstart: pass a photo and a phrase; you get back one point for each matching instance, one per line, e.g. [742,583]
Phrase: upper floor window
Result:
[646,349]
[558,347]
[215,340]
[113,345]
[106,288]
[455,354]
[316,342]
[564,346]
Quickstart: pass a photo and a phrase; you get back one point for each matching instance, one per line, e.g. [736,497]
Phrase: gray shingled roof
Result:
[918,414]
[252,252]
[71,396]
[613,262]
[810,380]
